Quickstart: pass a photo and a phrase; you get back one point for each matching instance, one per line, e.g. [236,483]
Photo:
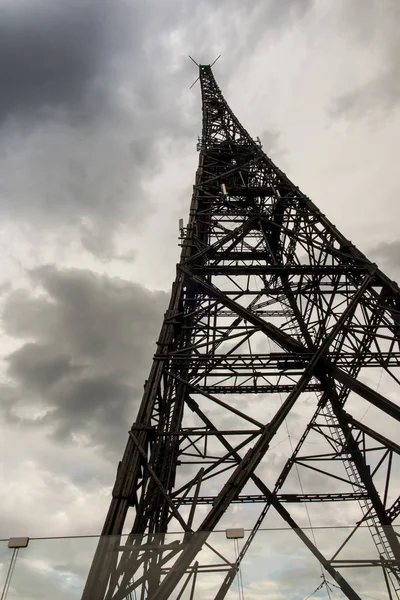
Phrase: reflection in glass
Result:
[5,561]
[53,569]
[277,566]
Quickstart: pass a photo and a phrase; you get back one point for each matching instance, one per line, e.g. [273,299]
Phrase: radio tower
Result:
[278,328]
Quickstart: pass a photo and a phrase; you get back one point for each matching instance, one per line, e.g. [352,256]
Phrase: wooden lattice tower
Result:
[271,307]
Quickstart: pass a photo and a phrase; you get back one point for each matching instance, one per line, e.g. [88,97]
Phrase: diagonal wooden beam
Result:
[287,342]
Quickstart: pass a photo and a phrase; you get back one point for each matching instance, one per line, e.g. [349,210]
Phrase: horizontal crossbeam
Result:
[292,498]
[245,270]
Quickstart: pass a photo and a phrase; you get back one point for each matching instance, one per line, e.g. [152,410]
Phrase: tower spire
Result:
[276,322]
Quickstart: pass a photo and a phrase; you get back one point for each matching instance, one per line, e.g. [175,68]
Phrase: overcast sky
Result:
[98,131]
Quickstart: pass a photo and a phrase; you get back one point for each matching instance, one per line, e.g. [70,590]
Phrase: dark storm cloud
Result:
[92,338]
[82,115]
[39,367]
[99,85]
[90,92]
[52,51]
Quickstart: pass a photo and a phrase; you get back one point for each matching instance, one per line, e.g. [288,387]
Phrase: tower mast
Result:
[272,311]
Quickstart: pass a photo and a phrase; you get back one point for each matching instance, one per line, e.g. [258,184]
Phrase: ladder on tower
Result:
[373,523]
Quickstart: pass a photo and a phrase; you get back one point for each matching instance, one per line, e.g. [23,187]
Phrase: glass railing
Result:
[276,566]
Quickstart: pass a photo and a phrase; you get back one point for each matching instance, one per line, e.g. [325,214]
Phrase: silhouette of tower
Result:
[276,323]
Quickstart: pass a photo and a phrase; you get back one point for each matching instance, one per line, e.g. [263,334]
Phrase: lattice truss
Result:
[277,326]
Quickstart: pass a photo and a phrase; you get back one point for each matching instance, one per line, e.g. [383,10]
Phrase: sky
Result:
[98,131]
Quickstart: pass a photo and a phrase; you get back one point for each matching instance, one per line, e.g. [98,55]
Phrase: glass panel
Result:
[5,560]
[52,569]
[277,565]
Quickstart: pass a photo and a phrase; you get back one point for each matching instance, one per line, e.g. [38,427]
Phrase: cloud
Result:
[51,52]
[54,53]
[374,27]
[381,93]
[60,501]
[95,104]
[95,93]
[82,371]
[82,145]
[387,255]
[81,118]
[276,566]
